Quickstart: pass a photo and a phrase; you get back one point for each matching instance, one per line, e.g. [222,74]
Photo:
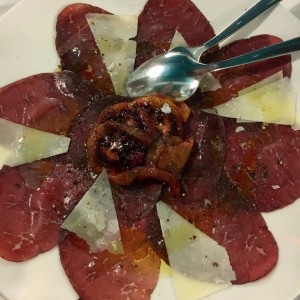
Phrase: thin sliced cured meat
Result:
[136,206]
[228,217]
[235,79]
[48,101]
[31,219]
[77,47]
[102,275]
[161,18]
[264,161]
[206,160]
[36,197]
[135,202]
[209,199]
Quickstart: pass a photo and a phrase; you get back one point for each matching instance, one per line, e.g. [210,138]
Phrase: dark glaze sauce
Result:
[140,140]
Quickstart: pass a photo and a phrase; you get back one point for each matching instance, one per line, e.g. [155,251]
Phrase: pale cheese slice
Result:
[20,144]
[173,285]
[208,82]
[113,34]
[165,286]
[178,41]
[199,266]
[264,82]
[94,219]
[4,155]
[272,102]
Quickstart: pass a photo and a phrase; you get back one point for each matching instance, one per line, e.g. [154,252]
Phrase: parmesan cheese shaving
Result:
[113,36]
[208,82]
[20,144]
[199,266]
[178,40]
[268,101]
[94,219]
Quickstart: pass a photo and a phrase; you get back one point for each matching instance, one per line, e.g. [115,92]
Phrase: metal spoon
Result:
[140,82]
[177,75]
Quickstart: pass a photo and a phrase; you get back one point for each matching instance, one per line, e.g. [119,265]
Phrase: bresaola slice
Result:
[235,79]
[77,48]
[31,218]
[136,206]
[205,164]
[161,18]
[106,276]
[48,101]
[135,202]
[264,162]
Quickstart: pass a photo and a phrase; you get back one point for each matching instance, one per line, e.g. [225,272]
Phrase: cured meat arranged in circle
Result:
[217,177]
[264,162]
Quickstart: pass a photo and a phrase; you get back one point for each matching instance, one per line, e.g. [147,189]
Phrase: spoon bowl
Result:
[169,74]
[177,75]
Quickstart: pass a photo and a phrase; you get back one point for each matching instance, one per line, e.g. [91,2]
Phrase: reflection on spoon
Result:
[177,75]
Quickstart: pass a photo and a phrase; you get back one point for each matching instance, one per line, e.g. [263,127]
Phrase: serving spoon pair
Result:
[177,73]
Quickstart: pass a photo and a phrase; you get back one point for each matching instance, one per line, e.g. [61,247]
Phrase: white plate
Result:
[27,34]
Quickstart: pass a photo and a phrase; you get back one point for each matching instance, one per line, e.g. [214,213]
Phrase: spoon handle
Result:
[272,51]
[244,19]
